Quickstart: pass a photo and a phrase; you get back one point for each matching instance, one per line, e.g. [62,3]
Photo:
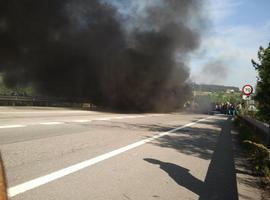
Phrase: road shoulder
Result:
[248,185]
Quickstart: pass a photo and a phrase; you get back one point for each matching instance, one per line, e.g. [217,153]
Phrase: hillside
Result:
[213,88]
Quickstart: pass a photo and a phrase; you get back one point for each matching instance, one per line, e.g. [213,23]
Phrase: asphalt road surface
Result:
[53,153]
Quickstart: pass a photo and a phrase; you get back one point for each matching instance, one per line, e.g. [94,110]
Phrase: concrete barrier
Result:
[259,127]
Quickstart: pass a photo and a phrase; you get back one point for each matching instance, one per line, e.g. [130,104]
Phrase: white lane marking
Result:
[49,112]
[32,184]
[128,117]
[121,117]
[135,116]
[51,123]
[103,119]
[82,120]
[156,115]
[12,126]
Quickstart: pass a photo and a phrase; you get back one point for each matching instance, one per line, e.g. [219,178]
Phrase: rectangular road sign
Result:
[246,97]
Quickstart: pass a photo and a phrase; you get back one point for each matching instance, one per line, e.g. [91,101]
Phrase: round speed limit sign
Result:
[247,90]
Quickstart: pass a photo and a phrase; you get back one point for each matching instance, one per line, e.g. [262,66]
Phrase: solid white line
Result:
[32,184]
[51,123]
[12,126]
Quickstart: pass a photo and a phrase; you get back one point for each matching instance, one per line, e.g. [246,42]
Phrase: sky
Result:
[236,31]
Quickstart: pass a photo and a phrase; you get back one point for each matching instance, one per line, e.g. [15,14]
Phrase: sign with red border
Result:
[247,90]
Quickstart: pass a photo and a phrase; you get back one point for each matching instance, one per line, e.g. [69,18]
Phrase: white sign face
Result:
[247,90]
[246,97]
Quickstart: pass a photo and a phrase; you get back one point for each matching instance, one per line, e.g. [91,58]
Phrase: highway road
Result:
[54,153]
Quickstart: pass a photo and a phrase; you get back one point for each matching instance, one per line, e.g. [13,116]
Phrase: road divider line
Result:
[37,182]
[110,118]
[120,117]
[80,121]
[155,115]
[12,126]
[51,123]
[103,119]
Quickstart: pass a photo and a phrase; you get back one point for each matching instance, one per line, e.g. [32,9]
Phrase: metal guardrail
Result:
[34,101]
[25,99]
[259,127]
[15,98]
[45,101]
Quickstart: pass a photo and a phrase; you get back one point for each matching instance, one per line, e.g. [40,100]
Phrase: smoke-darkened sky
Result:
[120,54]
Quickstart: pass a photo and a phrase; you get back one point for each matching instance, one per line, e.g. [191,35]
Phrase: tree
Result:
[263,82]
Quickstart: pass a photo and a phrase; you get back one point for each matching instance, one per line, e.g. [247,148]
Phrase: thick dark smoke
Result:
[122,54]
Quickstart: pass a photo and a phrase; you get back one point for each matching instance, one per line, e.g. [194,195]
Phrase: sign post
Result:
[247,90]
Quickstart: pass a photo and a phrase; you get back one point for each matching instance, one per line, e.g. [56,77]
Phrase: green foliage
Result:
[20,90]
[245,133]
[223,97]
[263,83]
[218,97]
[213,88]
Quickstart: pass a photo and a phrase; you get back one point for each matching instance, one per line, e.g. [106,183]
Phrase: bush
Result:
[245,132]
[263,83]
[259,156]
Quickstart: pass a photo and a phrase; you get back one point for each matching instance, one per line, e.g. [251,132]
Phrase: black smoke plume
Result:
[122,54]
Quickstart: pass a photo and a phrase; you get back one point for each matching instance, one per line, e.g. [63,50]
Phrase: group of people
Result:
[227,109]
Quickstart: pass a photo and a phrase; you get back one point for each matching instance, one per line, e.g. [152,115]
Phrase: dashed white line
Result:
[155,115]
[51,123]
[133,117]
[121,117]
[32,184]
[12,126]
[81,121]
[103,119]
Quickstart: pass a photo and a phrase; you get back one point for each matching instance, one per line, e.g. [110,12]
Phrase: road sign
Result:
[246,97]
[247,90]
